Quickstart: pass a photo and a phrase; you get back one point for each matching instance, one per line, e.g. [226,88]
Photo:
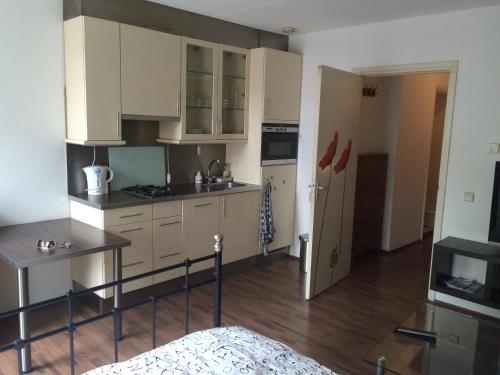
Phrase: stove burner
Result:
[149,191]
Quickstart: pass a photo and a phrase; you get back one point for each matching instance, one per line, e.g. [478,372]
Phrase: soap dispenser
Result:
[198,178]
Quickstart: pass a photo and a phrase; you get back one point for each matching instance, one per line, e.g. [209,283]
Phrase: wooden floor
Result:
[337,328]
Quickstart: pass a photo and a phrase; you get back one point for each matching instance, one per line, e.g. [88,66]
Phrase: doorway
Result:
[338,111]
[400,143]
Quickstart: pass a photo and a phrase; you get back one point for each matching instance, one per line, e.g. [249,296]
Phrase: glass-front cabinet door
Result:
[233,95]
[200,70]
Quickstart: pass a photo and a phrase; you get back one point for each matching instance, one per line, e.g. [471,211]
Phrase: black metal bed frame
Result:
[19,344]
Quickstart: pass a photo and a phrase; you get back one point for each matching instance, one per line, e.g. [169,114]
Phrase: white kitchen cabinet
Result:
[239,224]
[150,72]
[167,233]
[130,267]
[214,100]
[232,93]
[165,259]
[141,236]
[200,224]
[92,72]
[279,80]
[283,180]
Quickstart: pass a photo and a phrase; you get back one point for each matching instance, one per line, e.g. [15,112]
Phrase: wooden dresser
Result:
[369,202]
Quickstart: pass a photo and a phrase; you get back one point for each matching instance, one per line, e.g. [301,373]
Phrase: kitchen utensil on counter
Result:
[97,180]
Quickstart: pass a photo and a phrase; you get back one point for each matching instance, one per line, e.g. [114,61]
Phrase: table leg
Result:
[117,289]
[381,365]
[24,330]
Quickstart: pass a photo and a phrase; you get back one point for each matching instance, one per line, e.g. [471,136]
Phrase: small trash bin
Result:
[303,238]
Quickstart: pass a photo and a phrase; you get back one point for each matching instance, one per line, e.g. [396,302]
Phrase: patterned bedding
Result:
[228,350]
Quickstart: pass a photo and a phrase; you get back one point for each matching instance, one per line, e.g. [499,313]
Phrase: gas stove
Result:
[149,191]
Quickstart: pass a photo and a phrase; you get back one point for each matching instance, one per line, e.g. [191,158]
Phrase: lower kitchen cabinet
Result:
[130,267]
[165,259]
[283,181]
[239,224]
[163,234]
[200,223]
[141,236]
[167,233]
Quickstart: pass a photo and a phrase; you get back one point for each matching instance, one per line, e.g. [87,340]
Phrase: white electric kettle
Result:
[97,181]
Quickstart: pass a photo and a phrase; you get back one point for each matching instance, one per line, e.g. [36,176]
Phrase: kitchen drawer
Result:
[167,233]
[141,236]
[127,215]
[167,209]
[130,267]
[165,259]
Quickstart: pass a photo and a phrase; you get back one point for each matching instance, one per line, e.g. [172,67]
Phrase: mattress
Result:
[228,350]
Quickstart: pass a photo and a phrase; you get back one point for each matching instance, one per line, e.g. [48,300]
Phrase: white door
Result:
[332,203]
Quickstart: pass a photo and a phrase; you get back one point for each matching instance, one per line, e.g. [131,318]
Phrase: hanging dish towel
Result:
[266,219]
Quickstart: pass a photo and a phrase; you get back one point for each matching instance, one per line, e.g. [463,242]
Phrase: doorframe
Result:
[450,67]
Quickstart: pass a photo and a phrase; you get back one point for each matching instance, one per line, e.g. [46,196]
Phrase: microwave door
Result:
[279,148]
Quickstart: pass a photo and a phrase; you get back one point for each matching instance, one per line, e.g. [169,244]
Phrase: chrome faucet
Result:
[209,174]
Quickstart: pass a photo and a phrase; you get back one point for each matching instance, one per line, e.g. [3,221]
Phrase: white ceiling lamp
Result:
[288,29]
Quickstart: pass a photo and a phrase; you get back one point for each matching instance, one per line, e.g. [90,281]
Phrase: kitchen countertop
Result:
[120,198]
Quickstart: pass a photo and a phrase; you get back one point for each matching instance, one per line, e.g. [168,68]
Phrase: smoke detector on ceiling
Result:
[288,29]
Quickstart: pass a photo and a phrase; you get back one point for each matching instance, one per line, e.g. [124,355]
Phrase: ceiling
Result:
[314,15]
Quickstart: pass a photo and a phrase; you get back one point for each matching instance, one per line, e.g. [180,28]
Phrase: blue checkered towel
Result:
[267,229]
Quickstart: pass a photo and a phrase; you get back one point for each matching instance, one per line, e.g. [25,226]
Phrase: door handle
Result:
[317,189]
[312,186]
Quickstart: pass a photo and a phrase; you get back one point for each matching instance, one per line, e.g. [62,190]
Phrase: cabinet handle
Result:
[133,264]
[224,207]
[267,104]
[131,215]
[172,223]
[132,230]
[168,256]
[203,205]
[178,103]
[119,125]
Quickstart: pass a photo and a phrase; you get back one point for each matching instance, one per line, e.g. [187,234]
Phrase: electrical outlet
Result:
[469,196]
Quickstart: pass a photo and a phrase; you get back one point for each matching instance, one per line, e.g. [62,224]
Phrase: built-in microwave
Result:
[279,144]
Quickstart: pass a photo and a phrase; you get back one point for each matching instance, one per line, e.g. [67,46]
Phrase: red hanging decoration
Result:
[327,159]
[344,158]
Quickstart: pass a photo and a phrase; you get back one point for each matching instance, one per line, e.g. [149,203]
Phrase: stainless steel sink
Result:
[217,186]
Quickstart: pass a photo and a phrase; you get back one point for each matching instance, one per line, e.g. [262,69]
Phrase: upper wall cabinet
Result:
[150,72]
[282,81]
[93,100]
[232,119]
[214,95]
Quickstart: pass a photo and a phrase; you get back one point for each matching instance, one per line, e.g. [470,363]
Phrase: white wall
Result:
[32,148]
[418,93]
[471,37]
[378,132]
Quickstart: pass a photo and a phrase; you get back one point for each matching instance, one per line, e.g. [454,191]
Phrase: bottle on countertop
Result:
[198,179]
[227,170]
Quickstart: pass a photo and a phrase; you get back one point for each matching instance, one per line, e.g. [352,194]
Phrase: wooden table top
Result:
[18,242]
